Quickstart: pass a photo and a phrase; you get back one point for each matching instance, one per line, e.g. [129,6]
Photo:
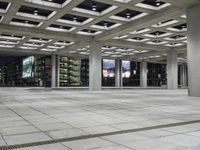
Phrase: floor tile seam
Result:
[47,115]
[16,134]
[94,135]
[116,143]
[29,123]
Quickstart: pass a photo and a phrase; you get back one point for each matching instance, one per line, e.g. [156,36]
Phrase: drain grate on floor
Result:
[33,144]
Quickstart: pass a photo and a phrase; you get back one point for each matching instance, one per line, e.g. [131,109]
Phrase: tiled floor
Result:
[30,115]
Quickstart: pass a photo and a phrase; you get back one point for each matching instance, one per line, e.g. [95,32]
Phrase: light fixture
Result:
[138,39]
[128,15]
[36,12]
[61,27]
[94,7]
[75,18]
[105,24]
[183,27]
[157,34]
[159,24]
[158,3]
[26,21]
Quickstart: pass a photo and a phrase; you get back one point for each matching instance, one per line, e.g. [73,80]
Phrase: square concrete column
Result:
[58,70]
[118,73]
[183,75]
[193,23]
[172,69]
[95,68]
[143,74]
[53,70]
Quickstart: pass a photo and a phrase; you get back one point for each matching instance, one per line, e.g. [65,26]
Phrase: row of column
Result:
[95,70]
[193,23]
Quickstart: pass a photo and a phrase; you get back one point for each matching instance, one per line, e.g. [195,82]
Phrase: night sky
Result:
[5,59]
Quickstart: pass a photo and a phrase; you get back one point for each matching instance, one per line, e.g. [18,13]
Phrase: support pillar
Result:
[58,71]
[53,71]
[183,75]
[193,37]
[118,73]
[143,74]
[95,68]
[172,69]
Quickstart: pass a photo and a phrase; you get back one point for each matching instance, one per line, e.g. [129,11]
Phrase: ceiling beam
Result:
[72,47]
[14,7]
[17,51]
[134,45]
[42,33]
[182,3]
[61,12]
[143,22]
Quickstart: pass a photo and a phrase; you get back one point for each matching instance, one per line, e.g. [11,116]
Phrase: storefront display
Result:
[130,73]
[108,71]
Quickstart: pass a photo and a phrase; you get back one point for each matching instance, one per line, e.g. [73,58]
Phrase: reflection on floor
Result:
[32,116]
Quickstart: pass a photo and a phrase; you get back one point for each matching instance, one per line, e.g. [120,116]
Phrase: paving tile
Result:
[53,126]
[182,140]
[47,147]
[124,138]
[116,147]
[26,138]
[13,124]
[196,133]
[63,114]
[100,129]
[18,130]
[67,133]
[88,144]
[157,133]
[152,144]
[2,142]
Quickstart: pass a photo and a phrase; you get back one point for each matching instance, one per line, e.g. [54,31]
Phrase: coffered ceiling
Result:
[132,29]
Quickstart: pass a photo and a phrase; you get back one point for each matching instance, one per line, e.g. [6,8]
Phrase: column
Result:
[183,75]
[58,70]
[118,73]
[95,68]
[193,34]
[143,74]
[53,71]
[172,69]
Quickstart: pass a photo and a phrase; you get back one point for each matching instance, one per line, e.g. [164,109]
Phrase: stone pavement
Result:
[129,119]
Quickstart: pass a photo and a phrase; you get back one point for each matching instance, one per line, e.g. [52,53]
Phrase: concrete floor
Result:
[128,119]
